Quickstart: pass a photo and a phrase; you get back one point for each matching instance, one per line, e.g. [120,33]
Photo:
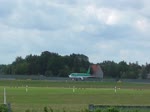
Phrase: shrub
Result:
[112,110]
[3,108]
[135,111]
[27,110]
[48,110]
[45,109]
[98,110]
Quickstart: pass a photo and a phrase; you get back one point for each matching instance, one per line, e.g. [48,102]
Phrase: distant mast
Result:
[4,96]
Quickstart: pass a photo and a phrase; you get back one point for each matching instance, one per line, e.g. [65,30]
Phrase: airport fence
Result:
[93,107]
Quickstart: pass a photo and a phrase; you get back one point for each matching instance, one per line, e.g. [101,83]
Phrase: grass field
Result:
[72,96]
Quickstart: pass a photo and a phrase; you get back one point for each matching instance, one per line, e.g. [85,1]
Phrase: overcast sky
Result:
[100,29]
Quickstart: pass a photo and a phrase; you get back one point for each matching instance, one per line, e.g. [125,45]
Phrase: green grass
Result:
[60,95]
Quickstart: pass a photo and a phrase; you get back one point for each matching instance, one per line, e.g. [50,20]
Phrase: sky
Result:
[114,30]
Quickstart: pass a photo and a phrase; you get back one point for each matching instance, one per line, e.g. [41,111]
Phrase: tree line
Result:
[54,65]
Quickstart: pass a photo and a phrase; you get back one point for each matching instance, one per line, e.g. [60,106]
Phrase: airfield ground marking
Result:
[73,89]
[115,89]
[26,88]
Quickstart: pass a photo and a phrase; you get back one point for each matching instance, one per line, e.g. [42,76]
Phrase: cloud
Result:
[6,8]
[108,16]
[100,29]
[36,15]
[142,25]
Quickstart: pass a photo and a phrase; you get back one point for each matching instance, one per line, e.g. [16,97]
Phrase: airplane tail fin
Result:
[89,70]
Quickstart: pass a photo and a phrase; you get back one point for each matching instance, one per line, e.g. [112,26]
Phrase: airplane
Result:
[94,71]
